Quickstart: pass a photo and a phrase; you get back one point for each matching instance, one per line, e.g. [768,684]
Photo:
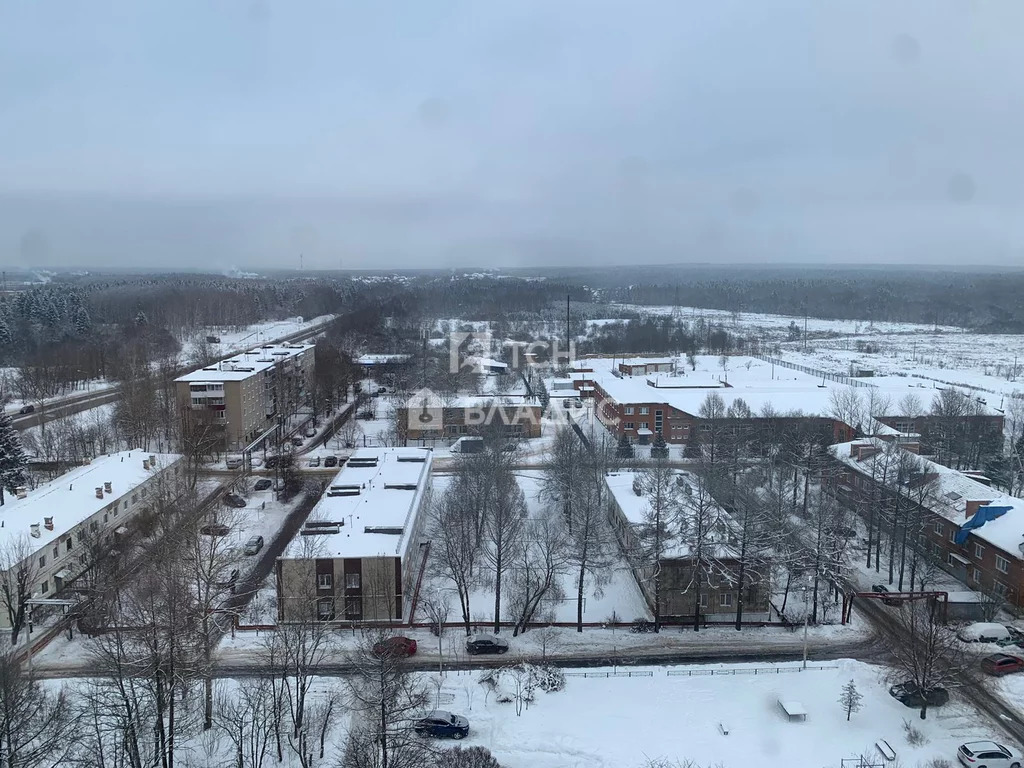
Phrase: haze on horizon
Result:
[510,133]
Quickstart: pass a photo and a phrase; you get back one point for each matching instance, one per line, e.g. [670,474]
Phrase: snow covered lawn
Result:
[618,722]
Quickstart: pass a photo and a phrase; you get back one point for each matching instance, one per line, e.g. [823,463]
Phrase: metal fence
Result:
[626,673]
[816,372]
[745,670]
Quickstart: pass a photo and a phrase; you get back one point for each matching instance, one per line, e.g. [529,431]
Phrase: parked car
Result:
[263,484]
[566,403]
[983,632]
[234,500]
[253,545]
[910,695]
[382,390]
[331,461]
[27,409]
[296,441]
[309,432]
[214,529]
[987,754]
[486,644]
[577,403]
[1000,664]
[234,462]
[443,724]
[315,461]
[272,462]
[395,646]
[882,589]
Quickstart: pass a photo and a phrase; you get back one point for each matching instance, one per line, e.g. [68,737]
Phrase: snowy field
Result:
[619,722]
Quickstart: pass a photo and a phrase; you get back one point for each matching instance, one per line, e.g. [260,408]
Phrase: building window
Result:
[725,599]
[93,525]
[56,551]
[68,544]
[976,574]
[324,580]
[643,425]
[351,581]
[44,587]
[704,601]
[325,609]
[1002,564]
[938,528]
[135,498]
[979,551]
[629,410]
[952,534]
[42,561]
[144,492]
[644,410]
[1000,589]
[629,425]
[126,503]
[353,608]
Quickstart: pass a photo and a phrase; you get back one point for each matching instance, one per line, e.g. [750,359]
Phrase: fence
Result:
[628,673]
[816,372]
[745,670]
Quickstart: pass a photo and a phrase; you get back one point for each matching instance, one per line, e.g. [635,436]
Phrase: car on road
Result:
[315,461]
[909,695]
[296,441]
[272,462]
[882,589]
[577,403]
[1000,664]
[983,632]
[441,723]
[253,545]
[486,644]
[331,461]
[396,646]
[263,484]
[566,403]
[233,462]
[214,529]
[27,409]
[310,432]
[987,754]
[234,500]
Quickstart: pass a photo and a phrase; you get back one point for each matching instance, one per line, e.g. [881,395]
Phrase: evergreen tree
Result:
[659,450]
[850,699]
[140,318]
[82,322]
[12,457]
[5,333]
[624,449]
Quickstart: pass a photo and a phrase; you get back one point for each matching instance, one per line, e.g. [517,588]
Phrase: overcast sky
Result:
[440,133]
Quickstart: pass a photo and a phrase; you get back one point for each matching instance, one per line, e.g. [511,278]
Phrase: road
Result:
[67,406]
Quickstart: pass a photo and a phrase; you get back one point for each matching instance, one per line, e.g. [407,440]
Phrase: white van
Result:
[234,462]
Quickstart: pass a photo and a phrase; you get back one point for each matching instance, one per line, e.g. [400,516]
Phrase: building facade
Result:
[471,414]
[359,555]
[61,526]
[246,395]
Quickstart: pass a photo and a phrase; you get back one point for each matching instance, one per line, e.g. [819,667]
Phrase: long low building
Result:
[359,553]
[51,532]
[516,415]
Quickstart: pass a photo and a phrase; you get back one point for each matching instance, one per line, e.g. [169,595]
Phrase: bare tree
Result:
[927,652]
[244,714]
[37,727]
[17,574]
[455,545]
[657,483]
[503,529]
[701,524]
[537,569]
[590,545]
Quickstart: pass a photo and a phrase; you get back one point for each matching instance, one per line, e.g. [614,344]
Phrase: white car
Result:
[983,632]
[987,754]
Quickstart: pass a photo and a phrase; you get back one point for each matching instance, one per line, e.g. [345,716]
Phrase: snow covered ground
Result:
[233,339]
[619,722]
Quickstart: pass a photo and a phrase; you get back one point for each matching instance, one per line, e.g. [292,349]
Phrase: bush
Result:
[466,757]
[550,679]
[939,762]
[641,626]
[914,737]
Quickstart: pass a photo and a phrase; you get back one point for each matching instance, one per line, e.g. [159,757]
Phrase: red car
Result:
[999,664]
[395,646]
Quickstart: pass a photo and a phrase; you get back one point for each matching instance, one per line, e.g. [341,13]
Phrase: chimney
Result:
[152,460]
[108,487]
[145,463]
[99,491]
[48,523]
[21,491]
[36,533]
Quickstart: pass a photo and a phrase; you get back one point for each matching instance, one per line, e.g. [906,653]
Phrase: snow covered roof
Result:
[758,383]
[374,500]
[71,498]
[246,364]
[477,401]
[948,495]
[486,362]
[386,359]
[635,509]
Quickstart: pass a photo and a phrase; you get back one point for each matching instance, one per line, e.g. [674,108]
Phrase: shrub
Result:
[466,757]
[641,626]
[914,736]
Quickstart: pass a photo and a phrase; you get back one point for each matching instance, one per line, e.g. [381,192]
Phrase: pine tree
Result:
[82,322]
[850,699]
[140,318]
[624,449]
[5,333]
[12,457]
[659,450]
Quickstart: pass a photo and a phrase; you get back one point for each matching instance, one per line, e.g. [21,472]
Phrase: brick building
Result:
[358,556]
[716,573]
[517,415]
[948,503]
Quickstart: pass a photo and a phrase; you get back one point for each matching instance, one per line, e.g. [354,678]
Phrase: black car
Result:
[910,695]
[443,724]
[214,529]
[486,644]
[263,484]
[234,500]
[882,590]
[27,409]
[331,461]
[271,462]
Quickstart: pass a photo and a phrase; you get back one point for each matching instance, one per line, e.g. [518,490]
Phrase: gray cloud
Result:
[512,132]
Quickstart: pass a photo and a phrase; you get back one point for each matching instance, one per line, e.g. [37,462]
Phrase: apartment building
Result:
[246,395]
[965,527]
[360,552]
[709,578]
[58,525]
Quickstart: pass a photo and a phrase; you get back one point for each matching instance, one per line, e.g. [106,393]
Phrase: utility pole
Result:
[567,337]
